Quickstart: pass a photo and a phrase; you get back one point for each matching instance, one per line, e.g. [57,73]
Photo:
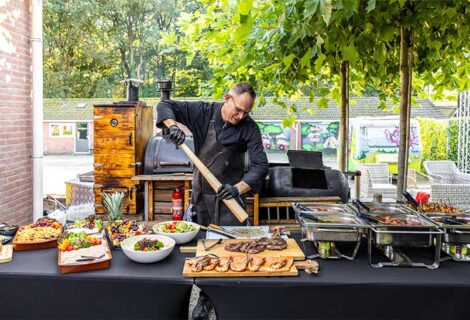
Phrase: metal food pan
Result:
[454,232]
[335,235]
[406,239]
[411,208]
[387,208]
[404,235]
[332,227]
[322,208]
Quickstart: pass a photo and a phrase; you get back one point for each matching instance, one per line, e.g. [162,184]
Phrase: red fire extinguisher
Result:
[177,205]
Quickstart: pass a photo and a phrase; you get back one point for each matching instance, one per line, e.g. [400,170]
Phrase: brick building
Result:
[16,120]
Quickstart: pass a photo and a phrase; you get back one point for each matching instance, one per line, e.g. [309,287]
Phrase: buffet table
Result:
[346,290]
[31,287]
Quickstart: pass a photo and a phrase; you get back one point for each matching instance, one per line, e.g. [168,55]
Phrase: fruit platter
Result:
[120,230]
[39,235]
[91,225]
[79,252]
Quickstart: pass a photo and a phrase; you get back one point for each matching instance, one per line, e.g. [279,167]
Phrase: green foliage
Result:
[453,140]
[293,47]
[433,139]
[90,45]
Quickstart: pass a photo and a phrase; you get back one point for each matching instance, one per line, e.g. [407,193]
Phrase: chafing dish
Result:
[322,208]
[391,208]
[326,229]
[456,239]
[393,226]
[457,228]
[442,209]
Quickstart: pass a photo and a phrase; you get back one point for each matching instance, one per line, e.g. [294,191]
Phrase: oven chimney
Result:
[132,86]
[165,89]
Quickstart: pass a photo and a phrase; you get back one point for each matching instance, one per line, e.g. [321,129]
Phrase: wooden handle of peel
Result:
[232,204]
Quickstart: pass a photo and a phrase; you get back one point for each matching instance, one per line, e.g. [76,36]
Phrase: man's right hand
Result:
[177,135]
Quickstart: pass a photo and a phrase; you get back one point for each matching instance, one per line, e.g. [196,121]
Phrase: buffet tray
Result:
[420,235]
[322,208]
[336,227]
[33,245]
[456,227]
[86,265]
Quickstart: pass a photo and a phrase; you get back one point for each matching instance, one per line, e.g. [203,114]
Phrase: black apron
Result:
[228,166]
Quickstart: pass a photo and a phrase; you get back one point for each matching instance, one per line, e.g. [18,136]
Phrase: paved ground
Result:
[60,168]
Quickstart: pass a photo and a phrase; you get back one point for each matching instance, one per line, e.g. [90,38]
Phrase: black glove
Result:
[227,191]
[177,135]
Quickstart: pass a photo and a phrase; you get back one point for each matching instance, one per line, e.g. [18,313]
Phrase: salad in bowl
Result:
[147,248]
[180,231]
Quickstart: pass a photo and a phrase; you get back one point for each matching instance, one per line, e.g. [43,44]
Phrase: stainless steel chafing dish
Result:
[323,208]
[456,240]
[326,229]
[394,225]
[442,209]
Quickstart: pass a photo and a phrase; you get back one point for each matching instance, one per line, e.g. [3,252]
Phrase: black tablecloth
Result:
[346,290]
[31,287]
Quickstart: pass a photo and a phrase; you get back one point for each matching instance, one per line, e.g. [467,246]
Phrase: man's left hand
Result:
[227,191]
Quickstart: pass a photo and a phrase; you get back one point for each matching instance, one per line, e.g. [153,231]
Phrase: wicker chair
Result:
[455,194]
[376,179]
[445,172]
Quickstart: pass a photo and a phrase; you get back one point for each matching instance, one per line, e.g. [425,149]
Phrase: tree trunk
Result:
[344,116]
[406,63]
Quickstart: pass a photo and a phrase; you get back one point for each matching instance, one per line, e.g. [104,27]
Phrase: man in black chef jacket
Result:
[222,133]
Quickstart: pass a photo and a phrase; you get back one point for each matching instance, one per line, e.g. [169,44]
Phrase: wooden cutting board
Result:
[292,250]
[284,272]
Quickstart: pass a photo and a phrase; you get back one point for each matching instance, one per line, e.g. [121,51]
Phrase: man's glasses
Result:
[239,110]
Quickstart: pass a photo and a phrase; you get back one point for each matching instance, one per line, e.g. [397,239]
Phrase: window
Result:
[59,130]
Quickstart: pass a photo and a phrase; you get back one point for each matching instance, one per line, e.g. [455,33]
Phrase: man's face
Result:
[238,107]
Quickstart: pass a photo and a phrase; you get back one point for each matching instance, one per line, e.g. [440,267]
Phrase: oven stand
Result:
[397,258]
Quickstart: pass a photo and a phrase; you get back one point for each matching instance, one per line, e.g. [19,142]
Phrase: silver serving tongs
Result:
[358,204]
[212,245]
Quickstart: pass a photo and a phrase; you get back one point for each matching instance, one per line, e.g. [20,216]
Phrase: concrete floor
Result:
[60,168]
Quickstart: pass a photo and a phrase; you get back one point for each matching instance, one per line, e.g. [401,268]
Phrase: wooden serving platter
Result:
[33,245]
[85,265]
[284,272]
[6,255]
[292,250]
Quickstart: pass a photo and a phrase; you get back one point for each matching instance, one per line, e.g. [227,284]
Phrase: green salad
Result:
[176,227]
[147,244]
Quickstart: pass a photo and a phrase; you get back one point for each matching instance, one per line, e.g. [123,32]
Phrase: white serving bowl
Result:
[180,238]
[127,246]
